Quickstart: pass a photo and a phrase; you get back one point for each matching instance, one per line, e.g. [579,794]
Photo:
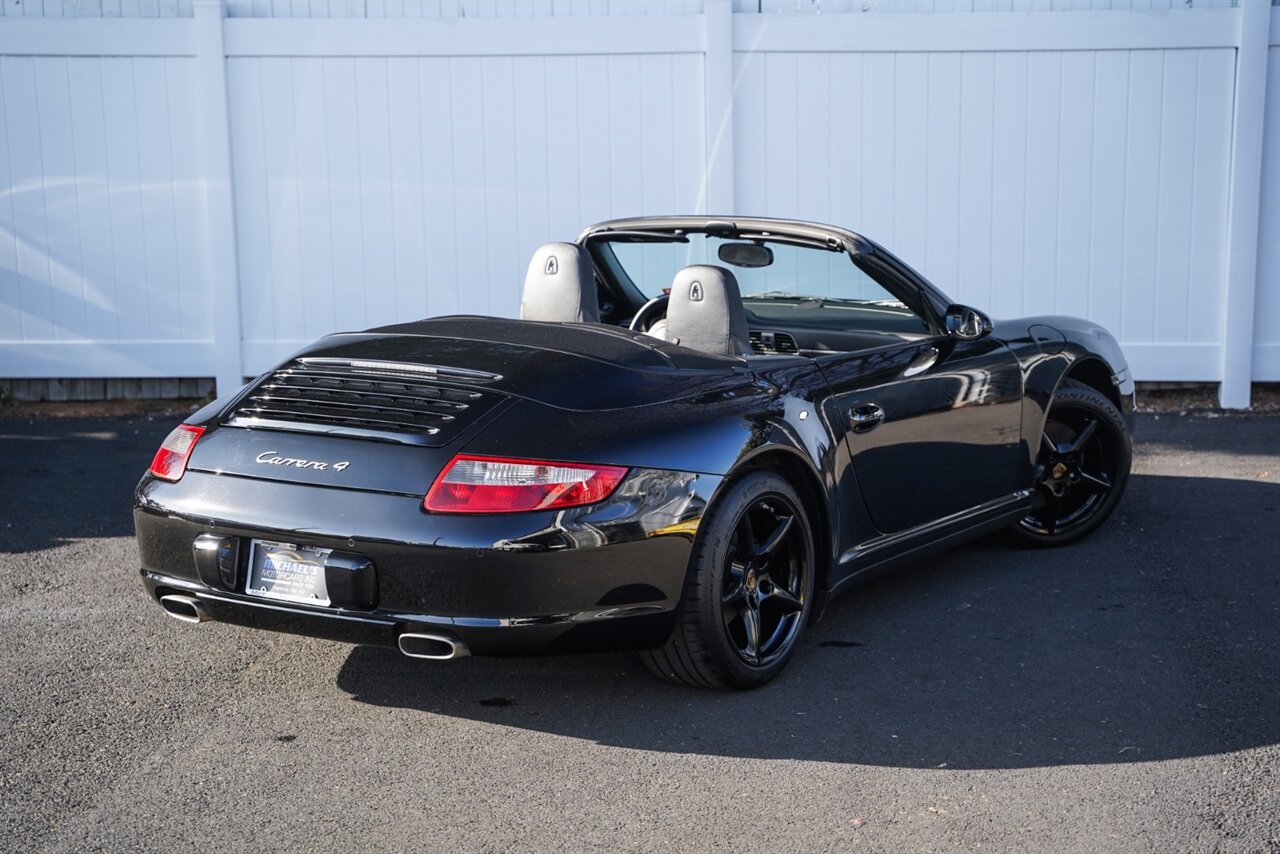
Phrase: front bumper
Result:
[605,577]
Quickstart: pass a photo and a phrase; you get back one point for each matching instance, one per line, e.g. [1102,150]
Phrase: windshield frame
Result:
[891,273]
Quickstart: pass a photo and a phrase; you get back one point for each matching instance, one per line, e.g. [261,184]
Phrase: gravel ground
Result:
[1119,695]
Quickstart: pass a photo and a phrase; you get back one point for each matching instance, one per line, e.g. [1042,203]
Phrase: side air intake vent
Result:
[773,343]
[402,402]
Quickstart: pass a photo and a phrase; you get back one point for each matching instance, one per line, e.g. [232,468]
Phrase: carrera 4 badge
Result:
[272,458]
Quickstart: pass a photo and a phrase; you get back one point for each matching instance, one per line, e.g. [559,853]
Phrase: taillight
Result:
[498,485]
[171,460]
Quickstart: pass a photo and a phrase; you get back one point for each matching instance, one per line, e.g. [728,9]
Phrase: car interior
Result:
[800,298]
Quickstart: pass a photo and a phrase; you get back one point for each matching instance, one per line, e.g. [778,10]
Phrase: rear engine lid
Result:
[368,398]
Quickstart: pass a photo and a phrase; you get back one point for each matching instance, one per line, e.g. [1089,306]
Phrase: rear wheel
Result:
[1081,468]
[749,592]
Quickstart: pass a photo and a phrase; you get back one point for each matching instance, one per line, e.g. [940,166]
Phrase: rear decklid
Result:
[385,410]
[392,400]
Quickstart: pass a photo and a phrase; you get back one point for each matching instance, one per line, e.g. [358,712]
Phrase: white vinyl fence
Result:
[200,192]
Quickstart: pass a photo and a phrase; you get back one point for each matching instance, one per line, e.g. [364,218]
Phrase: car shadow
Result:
[1157,638]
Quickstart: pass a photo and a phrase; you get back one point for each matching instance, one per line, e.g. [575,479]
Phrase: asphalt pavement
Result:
[1122,694]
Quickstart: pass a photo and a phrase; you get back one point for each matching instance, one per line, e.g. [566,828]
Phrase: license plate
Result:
[289,572]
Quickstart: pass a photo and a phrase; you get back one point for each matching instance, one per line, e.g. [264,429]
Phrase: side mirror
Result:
[966,323]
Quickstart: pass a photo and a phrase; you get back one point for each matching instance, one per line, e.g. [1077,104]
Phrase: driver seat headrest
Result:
[560,286]
[705,312]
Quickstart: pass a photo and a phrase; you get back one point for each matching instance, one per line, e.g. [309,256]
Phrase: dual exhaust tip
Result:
[188,609]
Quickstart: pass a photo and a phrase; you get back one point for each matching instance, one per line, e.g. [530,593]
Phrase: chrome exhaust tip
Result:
[185,608]
[434,647]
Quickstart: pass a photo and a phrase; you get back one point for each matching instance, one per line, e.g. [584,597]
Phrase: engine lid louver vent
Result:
[419,404]
[773,343]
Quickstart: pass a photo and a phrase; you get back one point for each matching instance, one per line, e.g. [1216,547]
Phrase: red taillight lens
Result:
[499,485]
[171,460]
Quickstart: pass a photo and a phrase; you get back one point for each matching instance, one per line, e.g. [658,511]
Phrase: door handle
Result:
[866,417]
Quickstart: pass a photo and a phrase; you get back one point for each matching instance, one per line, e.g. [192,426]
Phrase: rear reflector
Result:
[499,485]
[171,460]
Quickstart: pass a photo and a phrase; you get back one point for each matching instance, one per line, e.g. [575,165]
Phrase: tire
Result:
[752,565]
[1081,469]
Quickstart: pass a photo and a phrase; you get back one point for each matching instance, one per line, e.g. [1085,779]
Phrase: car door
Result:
[933,426]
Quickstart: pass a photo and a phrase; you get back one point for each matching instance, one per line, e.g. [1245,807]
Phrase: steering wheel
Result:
[650,313]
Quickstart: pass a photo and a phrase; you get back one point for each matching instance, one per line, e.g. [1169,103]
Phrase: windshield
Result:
[793,273]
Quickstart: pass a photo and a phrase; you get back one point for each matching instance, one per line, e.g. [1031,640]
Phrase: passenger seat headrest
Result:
[560,286]
[705,312]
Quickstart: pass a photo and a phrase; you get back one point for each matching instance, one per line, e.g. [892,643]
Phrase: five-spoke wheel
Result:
[764,583]
[750,589]
[1081,468]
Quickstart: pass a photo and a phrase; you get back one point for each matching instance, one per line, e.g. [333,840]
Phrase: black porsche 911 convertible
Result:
[698,431]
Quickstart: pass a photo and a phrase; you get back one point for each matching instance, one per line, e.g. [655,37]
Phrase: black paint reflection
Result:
[649,503]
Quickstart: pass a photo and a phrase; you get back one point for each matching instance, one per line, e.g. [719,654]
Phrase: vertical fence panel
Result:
[30,284]
[372,175]
[563,154]
[844,148]
[1142,210]
[57,162]
[910,129]
[501,187]
[1009,181]
[1247,156]
[1209,193]
[439,185]
[408,214]
[287,293]
[11,314]
[345,208]
[943,168]
[124,183]
[976,232]
[1074,188]
[165,298]
[1042,203]
[1266,354]
[877,170]
[88,139]
[252,198]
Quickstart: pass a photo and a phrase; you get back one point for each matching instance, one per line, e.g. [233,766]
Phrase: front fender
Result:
[1048,349]
[1094,340]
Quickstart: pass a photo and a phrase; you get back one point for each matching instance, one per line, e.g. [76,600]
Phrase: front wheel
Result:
[1081,469]
[749,591]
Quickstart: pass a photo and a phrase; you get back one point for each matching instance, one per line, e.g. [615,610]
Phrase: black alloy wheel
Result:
[750,589]
[763,587]
[1081,469]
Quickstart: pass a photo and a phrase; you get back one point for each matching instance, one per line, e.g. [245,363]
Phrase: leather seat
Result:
[560,286]
[705,312]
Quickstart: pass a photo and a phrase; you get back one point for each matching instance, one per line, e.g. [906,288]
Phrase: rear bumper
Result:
[606,577]
[636,627]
